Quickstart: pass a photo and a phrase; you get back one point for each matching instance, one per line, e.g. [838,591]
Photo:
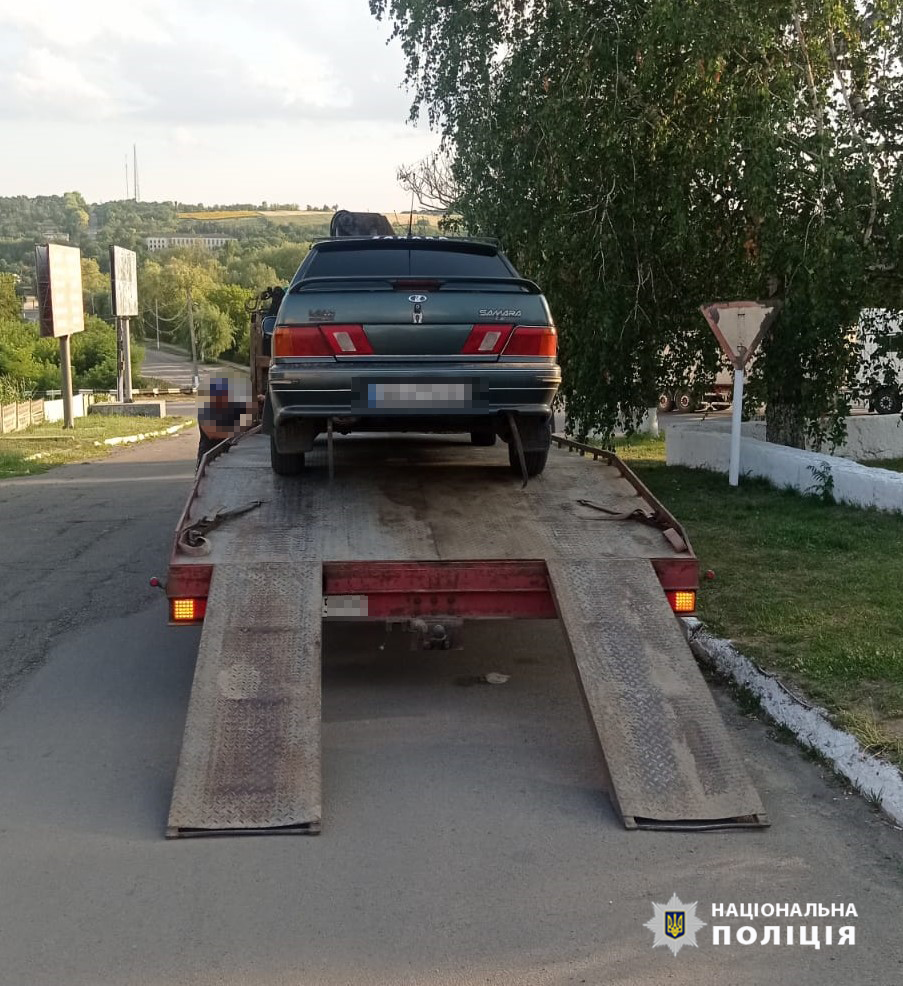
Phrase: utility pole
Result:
[195,379]
[157,320]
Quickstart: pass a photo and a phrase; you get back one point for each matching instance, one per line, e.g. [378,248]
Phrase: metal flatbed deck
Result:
[426,526]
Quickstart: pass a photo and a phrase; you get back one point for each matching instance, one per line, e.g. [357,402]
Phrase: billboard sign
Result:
[59,280]
[124,282]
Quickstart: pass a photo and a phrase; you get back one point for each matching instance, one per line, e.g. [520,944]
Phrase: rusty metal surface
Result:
[420,498]
[669,756]
[250,757]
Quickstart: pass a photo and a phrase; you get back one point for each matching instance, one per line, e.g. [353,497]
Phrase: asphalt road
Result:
[176,369]
[467,838]
[80,542]
[166,365]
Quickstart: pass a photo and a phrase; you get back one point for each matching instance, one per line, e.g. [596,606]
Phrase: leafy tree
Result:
[643,157]
[196,279]
[283,260]
[95,287]
[232,301]
[214,330]
[250,273]
[94,363]
[21,361]
[10,303]
[33,363]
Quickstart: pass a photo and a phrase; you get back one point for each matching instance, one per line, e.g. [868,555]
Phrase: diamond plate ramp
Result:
[667,751]
[250,759]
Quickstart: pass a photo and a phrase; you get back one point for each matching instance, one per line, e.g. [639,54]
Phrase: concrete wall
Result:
[863,486]
[53,410]
[22,414]
[144,409]
[869,436]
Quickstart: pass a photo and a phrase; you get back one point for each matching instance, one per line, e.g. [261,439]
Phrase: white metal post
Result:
[736,422]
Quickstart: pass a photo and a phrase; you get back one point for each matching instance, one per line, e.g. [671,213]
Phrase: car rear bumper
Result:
[473,391]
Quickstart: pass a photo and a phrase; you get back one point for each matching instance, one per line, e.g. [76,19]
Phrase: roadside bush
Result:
[32,364]
[27,362]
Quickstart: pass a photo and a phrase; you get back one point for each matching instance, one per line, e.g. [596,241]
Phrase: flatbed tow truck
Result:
[431,530]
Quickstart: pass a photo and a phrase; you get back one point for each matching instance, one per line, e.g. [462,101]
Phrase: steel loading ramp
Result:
[669,757]
[250,759]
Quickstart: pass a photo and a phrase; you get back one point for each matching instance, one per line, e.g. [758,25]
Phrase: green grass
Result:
[35,450]
[811,590]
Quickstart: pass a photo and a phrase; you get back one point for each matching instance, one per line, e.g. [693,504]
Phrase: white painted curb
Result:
[129,439]
[870,775]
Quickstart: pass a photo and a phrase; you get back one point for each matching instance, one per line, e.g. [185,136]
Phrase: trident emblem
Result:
[674,924]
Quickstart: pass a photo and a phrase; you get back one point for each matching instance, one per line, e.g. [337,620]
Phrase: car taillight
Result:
[347,340]
[487,339]
[300,340]
[533,340]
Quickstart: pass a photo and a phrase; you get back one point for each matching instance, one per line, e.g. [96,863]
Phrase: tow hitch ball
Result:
[429,636]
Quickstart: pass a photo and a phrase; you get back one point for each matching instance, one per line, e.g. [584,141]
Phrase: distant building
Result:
[30,311]
[172,242]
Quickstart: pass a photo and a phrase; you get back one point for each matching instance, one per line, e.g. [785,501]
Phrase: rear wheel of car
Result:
[887,400]
[536,436]
[534,461]
[484,437]
[285,463]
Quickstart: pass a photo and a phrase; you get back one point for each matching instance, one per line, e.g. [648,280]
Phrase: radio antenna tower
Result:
[135,172]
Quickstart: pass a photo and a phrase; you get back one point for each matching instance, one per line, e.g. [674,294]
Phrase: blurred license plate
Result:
[413,395]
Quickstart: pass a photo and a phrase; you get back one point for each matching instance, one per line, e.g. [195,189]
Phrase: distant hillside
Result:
[315,220]
[93,227]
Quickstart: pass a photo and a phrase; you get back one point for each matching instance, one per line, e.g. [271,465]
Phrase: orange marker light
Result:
[187,610]
[682,600]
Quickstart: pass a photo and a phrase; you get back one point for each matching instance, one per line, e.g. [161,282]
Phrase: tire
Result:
[887,400]
[533,433]
[285,463]
[534,461]
[684,402]
[483,437]
[665,403]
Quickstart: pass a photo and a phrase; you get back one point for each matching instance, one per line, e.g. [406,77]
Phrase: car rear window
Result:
[402,261]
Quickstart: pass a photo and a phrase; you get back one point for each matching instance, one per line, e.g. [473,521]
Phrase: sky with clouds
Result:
[227,101]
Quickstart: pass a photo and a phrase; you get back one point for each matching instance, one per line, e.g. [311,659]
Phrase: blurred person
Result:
[221,417]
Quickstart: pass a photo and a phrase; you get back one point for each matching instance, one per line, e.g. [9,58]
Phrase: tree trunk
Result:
[784,425]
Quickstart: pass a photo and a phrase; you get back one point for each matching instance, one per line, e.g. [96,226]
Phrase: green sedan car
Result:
[396,334]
